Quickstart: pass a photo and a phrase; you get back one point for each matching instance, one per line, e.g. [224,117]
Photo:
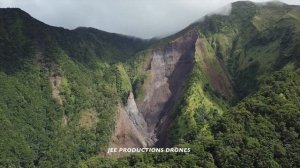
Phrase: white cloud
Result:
[141,18]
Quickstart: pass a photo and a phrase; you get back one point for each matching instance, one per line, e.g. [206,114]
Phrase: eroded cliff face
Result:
[131,127]
[167,72]
[128,132]
[146,122]
[213,68]
[170,66]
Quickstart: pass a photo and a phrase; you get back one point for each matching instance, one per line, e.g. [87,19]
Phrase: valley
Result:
[226,86]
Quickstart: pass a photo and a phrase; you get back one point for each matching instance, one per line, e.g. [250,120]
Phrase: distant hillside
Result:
[59,90]
[227,87]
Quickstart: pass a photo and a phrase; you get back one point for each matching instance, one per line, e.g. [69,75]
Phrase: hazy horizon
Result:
[139,18]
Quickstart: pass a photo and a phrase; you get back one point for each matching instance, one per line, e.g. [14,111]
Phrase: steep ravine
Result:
[170,66]
[138,123]
[146,121]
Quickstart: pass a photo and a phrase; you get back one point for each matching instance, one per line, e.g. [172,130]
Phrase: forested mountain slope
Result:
[59,90]
[240,107]
[226,86]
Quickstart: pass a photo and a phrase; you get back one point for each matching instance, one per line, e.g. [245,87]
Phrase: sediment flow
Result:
[167,71]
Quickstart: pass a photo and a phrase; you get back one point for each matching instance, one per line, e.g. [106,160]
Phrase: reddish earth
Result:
[147,122]
[218,79]
[125,134]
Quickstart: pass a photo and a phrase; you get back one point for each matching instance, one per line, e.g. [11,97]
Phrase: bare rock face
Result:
[146,122]
[126,134]
[138,120]
[131,107]
[131,128]
[169,68]
[137,123]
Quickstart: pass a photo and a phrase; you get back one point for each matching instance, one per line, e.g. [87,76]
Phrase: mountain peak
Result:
[243,4]
[272,3]
[14,12]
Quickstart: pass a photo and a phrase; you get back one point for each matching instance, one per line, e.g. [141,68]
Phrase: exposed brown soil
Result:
[147,123]
[170,66]
[125,133]
[177,81]
[219,80]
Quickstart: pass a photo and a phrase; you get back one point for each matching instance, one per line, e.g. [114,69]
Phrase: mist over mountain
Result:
[133,17]
[226,87]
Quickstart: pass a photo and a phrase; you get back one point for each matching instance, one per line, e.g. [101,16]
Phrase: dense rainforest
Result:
[227,87]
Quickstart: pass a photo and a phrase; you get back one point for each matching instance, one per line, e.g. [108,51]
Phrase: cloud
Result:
[141,18]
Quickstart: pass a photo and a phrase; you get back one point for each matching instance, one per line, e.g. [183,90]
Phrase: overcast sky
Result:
[140,18]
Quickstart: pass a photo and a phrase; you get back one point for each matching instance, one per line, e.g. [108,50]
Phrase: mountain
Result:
[59,90]
[227,87]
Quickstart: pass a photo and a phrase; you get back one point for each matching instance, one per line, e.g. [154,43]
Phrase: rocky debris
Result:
[135,116]
[126,133]
[131,107]
[137,124]
[131,129]
[147,122]
[170,66]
